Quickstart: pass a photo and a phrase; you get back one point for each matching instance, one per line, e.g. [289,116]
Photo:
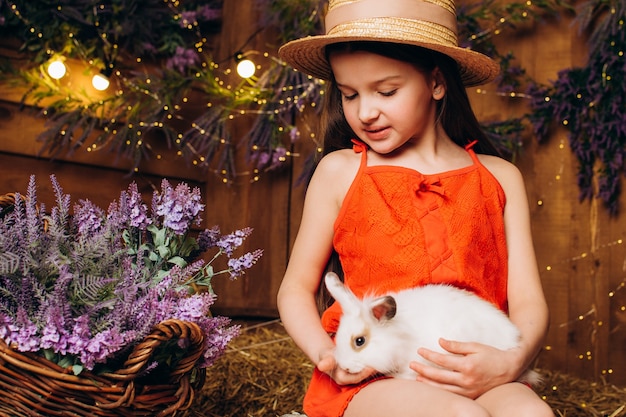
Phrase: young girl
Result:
[403,199]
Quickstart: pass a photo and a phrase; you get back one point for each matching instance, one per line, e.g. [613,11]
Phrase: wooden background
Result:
[579,247]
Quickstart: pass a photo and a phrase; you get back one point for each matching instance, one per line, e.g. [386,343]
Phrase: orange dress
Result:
[399,229]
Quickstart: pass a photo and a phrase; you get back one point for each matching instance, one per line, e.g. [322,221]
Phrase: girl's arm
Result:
[312,248]
[528,308]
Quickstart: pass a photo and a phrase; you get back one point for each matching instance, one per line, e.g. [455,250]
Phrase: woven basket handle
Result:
[7,201]
[167,330]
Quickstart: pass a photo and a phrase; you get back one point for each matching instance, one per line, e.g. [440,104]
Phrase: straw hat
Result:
[427,23]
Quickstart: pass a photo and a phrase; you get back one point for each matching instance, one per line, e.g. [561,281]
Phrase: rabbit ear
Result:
[384,308]
[340,292]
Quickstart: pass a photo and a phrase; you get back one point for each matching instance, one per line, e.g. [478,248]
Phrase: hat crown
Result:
[438,12]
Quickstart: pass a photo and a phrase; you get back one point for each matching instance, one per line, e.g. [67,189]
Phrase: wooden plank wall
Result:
[579,247]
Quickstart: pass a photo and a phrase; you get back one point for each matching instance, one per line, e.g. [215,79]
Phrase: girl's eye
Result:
[388,93]
[349,97]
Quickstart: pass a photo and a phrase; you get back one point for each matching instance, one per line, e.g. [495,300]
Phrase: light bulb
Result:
[57,69]
[246,68]
[100,82]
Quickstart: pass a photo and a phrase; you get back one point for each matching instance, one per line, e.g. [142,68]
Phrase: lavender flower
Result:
[194,307]
[138,211]
[179,207]
[237,266]
[187,18]
[228,243]
[88,217]
[208,238]
[207,13]
[183,58]
[25,333]
[79,336]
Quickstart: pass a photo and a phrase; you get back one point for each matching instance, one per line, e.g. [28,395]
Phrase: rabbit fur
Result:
[385,332]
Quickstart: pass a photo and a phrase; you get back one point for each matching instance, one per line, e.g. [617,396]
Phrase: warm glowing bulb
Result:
[100,82]
[246,68]
[56,69]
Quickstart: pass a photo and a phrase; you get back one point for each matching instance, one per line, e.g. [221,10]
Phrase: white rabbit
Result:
[385,332]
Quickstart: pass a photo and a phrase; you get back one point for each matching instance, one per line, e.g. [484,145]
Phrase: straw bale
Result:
[264,374]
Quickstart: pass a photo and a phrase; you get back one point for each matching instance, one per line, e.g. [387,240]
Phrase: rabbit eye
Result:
[359,341]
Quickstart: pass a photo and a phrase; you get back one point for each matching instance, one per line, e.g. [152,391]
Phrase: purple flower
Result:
[204,13]
[179,207]
[237,266]
[262,159]
[25,333]
[194,307]
[55,338]
[149,48]
[88,218]
[232,241]
[183,58]
[270,160]
[207,13]
[101,346]
[218,333]
[6,327]
[294,134]
[137,210]
[187,18]
[79,339]
[208,238]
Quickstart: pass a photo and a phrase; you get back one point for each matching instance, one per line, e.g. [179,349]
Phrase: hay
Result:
[263,374]
[573,397]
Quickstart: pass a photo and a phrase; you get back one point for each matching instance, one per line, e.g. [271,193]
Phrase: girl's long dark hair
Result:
[454,111]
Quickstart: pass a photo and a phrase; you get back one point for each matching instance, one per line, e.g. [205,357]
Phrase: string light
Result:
[57,69]
[246,68]
[100,82]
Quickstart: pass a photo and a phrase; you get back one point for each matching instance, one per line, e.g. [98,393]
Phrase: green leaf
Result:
[65,361]
[188,246]
[77,369]
[158,235]
[164,251]
[177,260]
[49,354]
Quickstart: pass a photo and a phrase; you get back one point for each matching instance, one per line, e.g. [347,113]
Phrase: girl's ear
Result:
[438,84]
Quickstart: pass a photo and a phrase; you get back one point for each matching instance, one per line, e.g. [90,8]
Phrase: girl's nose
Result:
[368,111]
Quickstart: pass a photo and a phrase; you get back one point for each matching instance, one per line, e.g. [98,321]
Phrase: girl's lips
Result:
[377,134]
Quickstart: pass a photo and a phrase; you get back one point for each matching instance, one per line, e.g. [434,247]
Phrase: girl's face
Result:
[386,102]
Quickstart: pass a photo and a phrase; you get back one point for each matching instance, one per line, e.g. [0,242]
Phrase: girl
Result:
[404,200]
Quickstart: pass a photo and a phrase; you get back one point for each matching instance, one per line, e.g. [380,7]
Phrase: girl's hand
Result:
[469,369]
[328,365]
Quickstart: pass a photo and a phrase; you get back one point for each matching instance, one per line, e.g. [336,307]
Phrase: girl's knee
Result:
[514,400]
[468,409]
[537,408]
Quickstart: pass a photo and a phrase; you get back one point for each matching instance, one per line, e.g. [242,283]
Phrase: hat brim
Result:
[308,55]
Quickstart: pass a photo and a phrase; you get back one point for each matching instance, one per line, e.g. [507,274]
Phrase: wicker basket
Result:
[30,385]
